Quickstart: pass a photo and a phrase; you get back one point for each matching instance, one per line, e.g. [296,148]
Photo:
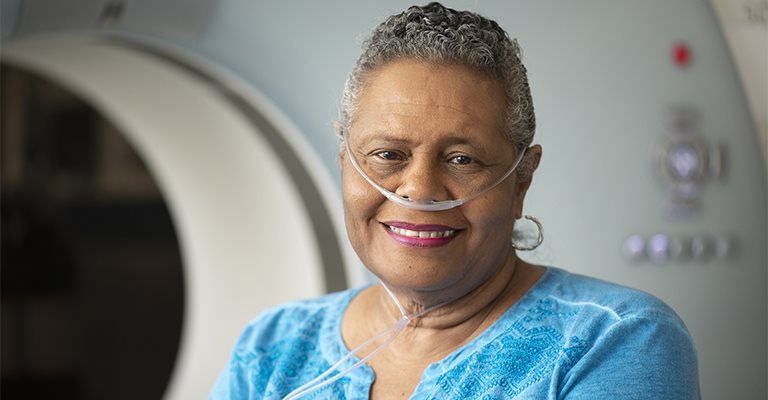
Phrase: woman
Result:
[436,159]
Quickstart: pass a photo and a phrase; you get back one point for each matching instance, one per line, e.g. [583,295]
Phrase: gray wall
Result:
[606,93]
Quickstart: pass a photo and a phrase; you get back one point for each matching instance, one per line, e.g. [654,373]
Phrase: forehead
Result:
[431,95]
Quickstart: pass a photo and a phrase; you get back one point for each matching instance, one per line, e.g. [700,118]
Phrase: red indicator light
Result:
[681,55]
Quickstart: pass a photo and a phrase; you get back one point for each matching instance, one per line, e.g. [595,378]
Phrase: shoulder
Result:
[593,311]
[282,347]
[627,343]
[582,313]
[603,299]
[304,319]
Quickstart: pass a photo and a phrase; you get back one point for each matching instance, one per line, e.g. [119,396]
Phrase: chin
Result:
[410,278]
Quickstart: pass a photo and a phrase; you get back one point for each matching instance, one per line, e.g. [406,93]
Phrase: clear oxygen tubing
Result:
[399,326]
[395,330]
[431,205]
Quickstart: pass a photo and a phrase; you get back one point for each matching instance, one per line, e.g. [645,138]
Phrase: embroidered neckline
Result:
[333,347]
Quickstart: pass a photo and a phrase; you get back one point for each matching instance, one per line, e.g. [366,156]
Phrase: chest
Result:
[506,369]
[395,380]
[395,384]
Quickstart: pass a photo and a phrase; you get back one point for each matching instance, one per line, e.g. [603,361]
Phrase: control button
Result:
[701,247]
[658,248]
[686,191]
[725,246]
[684,161]
[662,248]
[717,161]
[679,247]
[634,247]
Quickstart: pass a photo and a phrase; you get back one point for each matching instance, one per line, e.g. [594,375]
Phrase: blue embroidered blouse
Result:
[568,337]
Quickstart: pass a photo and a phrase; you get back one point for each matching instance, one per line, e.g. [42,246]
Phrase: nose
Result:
[422,182]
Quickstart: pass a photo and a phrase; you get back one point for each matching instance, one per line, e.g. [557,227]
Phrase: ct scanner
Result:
[230,105]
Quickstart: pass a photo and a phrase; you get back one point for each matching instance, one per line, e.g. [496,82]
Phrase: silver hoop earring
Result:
[539,237]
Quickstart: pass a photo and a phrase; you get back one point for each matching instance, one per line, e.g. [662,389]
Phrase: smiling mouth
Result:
[422,234]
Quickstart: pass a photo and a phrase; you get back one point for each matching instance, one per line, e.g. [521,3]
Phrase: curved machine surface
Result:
[246,228]
[652,173]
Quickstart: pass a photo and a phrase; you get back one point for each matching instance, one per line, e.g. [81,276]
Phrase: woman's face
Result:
[431,132]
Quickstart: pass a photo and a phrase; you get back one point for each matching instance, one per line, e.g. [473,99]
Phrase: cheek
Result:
[359,196]
[360,204]
[494,219]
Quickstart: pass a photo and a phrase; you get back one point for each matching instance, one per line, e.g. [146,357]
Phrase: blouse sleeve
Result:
[232,383]
[639,357]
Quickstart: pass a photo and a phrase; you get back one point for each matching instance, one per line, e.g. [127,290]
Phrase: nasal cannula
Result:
[432,205]
[399,326]
[395,330]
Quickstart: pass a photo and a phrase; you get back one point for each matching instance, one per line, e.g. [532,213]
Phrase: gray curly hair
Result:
[438,34]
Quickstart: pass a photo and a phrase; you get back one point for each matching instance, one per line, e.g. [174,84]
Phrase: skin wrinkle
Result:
[415,307]
[477,109]
[436,35]
[454,141]
[521,106]
[477,270]
[438,106]
[467,81]
[487,166]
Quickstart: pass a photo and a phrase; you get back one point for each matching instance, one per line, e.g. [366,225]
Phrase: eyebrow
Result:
[450,139]
[385,136]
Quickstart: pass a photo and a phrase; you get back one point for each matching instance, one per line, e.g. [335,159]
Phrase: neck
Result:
[432,336]
[480,306]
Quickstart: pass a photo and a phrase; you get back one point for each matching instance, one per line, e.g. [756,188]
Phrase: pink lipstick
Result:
[418,235]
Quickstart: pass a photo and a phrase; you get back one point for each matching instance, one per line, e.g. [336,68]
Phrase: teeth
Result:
[422,234]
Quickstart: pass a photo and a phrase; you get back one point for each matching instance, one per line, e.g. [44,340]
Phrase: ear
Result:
[340,158]
[530,162]
[337,127]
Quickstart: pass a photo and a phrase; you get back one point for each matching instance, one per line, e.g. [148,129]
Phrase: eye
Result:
[461,160]
[389,155]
